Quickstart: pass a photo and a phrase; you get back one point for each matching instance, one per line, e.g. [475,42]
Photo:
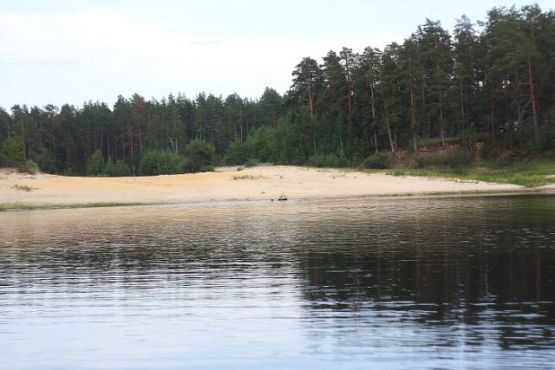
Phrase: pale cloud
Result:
[141,55]
[46,62]
[106,43]
[60,51]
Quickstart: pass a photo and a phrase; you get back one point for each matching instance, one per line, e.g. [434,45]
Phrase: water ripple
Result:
[384,283]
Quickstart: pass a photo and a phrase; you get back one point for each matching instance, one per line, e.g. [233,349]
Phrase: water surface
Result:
[385,283]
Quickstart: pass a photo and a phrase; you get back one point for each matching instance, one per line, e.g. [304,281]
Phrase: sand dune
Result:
[225,184]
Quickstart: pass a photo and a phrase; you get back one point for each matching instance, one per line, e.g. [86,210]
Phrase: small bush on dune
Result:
[200,157]
[160,162]
[117,169]
[253,162]
[30,167]
[96,167]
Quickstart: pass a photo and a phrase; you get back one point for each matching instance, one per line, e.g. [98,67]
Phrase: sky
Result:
[74,51]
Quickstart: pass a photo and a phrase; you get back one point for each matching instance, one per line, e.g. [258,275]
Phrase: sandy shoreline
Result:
[225,184]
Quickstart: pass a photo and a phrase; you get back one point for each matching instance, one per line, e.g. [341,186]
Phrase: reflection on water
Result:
[360,283]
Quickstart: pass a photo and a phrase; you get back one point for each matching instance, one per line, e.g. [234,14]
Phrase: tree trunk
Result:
[389,133]
[463,114]
[533,100]
[412,106]
[413,119]
[373,106]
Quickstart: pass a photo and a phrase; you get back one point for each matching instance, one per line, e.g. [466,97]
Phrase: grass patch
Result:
[396,172]
[103,205]
[530,175]
[336,176]
[247,177]
[23,187]
[19,206]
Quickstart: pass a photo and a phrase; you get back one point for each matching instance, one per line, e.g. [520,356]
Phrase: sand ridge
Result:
[224,184]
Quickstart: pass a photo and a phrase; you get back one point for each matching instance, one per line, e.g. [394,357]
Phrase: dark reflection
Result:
[492,265]
[367,275]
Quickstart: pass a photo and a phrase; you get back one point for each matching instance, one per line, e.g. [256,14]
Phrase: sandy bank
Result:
[225,184]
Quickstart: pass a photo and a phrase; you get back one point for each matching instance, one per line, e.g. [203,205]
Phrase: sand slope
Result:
[225,184]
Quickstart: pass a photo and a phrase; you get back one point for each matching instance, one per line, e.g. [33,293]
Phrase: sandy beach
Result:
[224,184]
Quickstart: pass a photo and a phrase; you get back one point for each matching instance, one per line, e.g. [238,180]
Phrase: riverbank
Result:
[19,190]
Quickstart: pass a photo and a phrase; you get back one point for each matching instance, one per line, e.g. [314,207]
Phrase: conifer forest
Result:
[491,81]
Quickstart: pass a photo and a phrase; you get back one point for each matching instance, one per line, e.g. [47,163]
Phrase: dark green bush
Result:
[199,156]
[420,161]
[237,153]
[96,167]
[458,157]
[379,161]
[46,162]
[452,158]
[117,169]
[30,168]
[160,162]
[329,160]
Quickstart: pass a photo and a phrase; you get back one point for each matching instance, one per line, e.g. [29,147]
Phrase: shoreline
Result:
[228,184]
[52,206]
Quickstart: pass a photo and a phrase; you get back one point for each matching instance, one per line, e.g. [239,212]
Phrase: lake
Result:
[384,283]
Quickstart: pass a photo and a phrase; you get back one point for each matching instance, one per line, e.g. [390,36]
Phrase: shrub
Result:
[30,168]
[45,161]
[379,161]
[252,162]
[467,141]
[237,153]
[329,160]
[117,169]
[160,162]
[452,158]
[96,167]
[458,157]
[316,160]
[420,161]
[200,156]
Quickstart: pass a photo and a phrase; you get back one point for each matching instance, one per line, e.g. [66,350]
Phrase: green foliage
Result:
[538,167]
[45,160]
[160,162]
[117,169]
[453,158]
[238,153]
[13,153]
[468,83]
[329,160]
[263,144]
[548,135]
[30,168]
[379,161]
[96,167]
[467,141]
[420,161]
[252,162]
[200,156]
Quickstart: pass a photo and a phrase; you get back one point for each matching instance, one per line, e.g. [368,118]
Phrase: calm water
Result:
[387,283]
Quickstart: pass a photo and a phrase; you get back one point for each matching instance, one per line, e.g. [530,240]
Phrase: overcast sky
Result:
[68,52]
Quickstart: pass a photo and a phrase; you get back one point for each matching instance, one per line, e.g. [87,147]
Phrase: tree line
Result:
[495,79]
